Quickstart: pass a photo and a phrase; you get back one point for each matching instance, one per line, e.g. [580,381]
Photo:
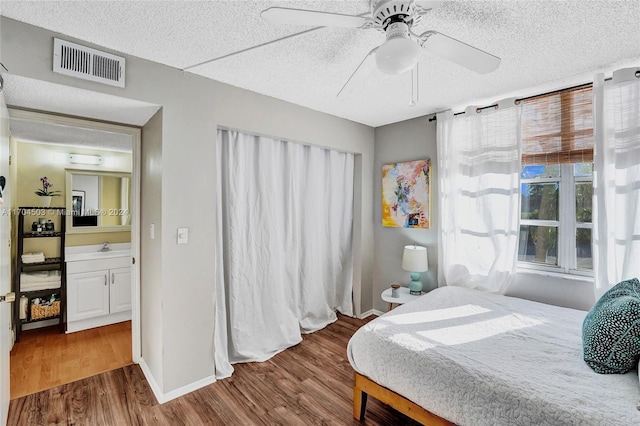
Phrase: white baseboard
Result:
[370,312]
[73,326]
[188,388]
[151,380]
[183,390]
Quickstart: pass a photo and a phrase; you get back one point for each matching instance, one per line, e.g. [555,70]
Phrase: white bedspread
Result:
[482,359]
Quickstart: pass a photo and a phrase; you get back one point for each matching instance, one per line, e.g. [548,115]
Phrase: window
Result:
[557,182]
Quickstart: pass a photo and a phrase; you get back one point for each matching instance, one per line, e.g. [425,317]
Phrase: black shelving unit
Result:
[50,263]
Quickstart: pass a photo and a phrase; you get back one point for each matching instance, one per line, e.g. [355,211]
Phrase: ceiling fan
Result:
[399,53]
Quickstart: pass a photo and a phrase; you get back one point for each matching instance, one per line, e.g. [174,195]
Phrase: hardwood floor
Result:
[44,358]
[309,384]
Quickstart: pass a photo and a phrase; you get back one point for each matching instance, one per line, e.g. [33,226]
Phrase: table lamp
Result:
[414,260]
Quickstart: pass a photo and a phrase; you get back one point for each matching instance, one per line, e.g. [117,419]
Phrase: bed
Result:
[465,357]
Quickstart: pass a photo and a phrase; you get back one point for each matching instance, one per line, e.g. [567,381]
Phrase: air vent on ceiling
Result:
[88,64]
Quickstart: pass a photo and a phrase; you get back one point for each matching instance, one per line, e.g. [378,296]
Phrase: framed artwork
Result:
[406,194]
[77,202]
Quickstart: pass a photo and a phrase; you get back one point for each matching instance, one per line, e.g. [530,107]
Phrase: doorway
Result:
[87,162]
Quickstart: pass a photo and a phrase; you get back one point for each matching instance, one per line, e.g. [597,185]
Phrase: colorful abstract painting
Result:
[406,194]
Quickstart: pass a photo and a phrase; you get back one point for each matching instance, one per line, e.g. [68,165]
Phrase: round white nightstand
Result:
[403,297]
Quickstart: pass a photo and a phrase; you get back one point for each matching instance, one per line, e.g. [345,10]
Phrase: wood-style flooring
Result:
[44,358]
[309,384]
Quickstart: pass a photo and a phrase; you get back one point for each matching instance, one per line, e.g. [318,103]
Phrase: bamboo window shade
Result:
[557,128]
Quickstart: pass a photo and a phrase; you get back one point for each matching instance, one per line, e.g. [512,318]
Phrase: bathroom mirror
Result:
[98,201]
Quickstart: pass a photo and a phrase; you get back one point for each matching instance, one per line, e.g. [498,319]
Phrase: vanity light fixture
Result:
[95,160]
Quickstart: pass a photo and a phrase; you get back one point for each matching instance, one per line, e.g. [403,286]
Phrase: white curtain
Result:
[616,201]
[479,177]
[283,249]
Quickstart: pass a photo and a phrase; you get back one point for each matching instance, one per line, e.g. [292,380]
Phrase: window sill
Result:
[546,273]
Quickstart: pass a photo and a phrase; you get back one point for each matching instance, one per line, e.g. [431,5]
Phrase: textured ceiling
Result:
[544,45]
[39,95]
[22,92]
[28,131]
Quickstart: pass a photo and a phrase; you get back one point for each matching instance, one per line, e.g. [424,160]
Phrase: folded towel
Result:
[40,276]
[33,260]
[33,257]
[40,286]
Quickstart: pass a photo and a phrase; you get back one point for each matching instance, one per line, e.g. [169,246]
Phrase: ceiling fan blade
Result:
[283,15]
[461,53]
[426,5]
[367,65]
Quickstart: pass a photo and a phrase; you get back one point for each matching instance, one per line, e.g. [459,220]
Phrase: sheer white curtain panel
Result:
[616,203]
[479,168]
[284,261]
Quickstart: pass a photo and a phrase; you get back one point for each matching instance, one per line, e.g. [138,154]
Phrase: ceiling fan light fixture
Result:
[399,53]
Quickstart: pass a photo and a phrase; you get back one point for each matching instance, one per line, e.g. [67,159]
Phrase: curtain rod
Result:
[518,100]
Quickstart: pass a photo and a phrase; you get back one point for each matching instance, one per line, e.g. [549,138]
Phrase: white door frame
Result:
[135,134]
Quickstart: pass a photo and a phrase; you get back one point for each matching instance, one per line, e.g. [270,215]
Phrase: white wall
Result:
[416,139]
[192,108]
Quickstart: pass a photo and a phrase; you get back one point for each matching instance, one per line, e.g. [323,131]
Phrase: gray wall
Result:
[150,249]
[404,141]
[416,139]
[570,292]
[180,278]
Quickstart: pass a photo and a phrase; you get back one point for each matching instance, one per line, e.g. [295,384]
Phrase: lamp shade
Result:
[397,55]
[414,259]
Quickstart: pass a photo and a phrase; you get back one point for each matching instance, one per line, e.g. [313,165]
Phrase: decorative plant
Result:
[44,191]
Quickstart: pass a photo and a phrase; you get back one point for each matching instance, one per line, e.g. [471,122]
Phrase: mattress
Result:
[475,358]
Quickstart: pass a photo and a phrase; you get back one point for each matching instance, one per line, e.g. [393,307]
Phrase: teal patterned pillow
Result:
[611,330]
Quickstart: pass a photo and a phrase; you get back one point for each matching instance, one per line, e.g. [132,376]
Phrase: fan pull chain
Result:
[414,86]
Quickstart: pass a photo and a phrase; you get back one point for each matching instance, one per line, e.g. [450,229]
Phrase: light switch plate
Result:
[183,235]
[152,231]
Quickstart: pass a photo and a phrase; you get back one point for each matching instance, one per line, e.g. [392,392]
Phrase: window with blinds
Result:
[557,182]
[557,128]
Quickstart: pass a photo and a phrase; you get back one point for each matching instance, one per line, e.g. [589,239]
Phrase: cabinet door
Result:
[87,295]
[120,299]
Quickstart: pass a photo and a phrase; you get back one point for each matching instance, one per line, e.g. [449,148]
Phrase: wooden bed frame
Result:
[364,386]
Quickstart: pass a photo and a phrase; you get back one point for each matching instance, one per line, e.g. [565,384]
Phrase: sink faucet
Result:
[105,246]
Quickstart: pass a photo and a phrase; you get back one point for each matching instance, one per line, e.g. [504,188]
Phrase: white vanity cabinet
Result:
[120,290]
[98,292]
[88,295]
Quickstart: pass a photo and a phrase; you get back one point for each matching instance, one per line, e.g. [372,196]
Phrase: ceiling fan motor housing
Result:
[397,30]
[386,12]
